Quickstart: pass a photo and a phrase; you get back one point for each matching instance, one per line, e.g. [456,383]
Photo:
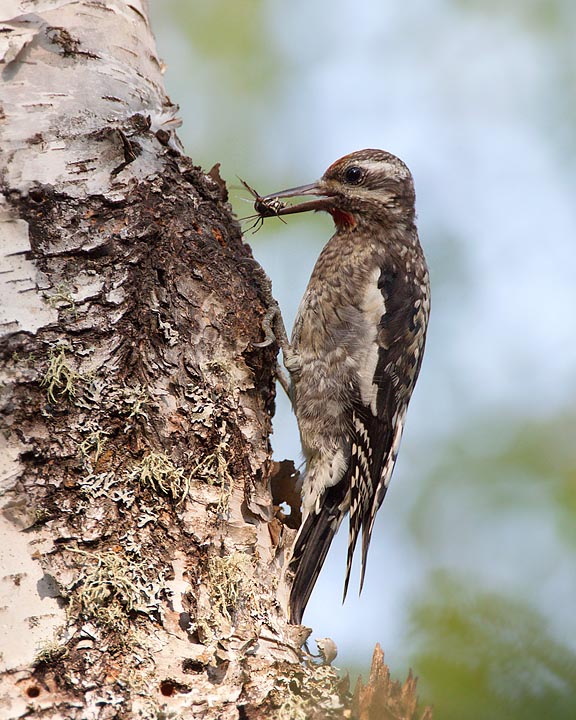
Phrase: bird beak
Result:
[324,202]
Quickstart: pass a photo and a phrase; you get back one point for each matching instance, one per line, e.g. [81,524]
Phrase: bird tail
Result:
[311,547]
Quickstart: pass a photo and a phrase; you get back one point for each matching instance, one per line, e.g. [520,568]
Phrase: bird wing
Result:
[379,406]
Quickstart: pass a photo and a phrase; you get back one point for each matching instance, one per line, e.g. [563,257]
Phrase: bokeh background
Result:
[472,574]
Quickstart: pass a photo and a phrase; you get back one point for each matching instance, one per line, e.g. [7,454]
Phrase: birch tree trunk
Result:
[141,557]
[141,549]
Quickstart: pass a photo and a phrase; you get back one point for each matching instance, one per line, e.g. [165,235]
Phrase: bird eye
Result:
[353,175]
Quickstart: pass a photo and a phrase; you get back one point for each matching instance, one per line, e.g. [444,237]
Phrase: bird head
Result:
[365,186]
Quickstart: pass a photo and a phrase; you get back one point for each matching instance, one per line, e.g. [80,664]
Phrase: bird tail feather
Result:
[310,550]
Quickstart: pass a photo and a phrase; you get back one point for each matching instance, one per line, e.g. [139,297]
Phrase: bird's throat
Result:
[342,219]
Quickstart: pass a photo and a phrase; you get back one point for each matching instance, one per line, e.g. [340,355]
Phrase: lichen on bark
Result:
[135,408]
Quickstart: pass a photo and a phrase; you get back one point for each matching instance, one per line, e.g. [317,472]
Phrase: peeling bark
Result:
[142,550]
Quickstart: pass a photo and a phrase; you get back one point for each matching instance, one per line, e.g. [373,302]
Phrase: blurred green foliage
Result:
[505,464]
[222,70]
[232,37]
[482,655]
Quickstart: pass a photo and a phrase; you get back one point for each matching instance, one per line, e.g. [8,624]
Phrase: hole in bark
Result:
[167,688]
[185,621]
[33,691]
[192,666]
[36,194]
[32,456]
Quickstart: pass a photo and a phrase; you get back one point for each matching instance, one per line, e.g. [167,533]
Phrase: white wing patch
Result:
[373,307]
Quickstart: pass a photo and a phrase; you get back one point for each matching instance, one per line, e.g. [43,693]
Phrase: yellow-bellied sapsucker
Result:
[355,351]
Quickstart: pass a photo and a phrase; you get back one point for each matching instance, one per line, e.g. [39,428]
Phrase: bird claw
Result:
[267,322]
[274,331]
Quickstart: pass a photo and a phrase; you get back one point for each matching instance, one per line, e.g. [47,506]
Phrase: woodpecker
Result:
[355,352]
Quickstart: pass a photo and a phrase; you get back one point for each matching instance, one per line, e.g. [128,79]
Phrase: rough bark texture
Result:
[141,548]
[142,555]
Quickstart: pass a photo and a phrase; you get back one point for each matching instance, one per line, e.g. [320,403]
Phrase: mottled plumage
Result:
[355,353]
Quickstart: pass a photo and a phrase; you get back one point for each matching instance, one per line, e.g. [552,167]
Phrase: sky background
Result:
[471,577]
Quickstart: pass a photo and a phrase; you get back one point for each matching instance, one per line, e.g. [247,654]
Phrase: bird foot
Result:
[268,323]
[274,331]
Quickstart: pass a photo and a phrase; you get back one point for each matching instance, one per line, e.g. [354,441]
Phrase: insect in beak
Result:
[265,207]
[323,201]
